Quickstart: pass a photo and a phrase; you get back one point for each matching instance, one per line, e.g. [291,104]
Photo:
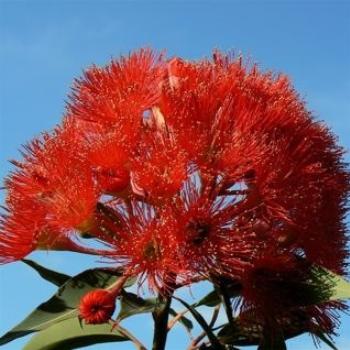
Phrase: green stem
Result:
[161,316]
[227,289]
[137,343]
[196,341]
[227,305]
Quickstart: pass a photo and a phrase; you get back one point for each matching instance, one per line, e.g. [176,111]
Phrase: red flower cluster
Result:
[183,169]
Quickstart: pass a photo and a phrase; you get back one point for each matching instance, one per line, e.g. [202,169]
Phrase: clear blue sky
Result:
[45,44]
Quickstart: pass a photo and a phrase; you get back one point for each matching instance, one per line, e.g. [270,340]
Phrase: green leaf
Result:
[201,321]
[183,320]
[63,305]
[325,285]
[341,287]
[54,277]
[212,299]
[324,338]
[232,287]
[131,304]
[70,334]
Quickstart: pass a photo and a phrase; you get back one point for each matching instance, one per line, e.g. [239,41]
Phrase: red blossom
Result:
[146,246]
[26,229]
[280,287]
[161,170]
[186,168]
[50,194]
[109,156]
[116,96]
[97,306]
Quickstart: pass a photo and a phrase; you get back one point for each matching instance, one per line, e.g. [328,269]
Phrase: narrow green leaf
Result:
[63,305]
[183,320]
[226,301]
[57,278]
[212,299]
[131,304]
[201,321]
[235,335]
[324,285]
[341,287]
[69,334]
[325,339]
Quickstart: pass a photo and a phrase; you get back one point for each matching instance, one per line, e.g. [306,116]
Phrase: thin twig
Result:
[123,331]
[194,344]
[190,282]
[203,323]
[227,305]
[176,318]
[118,284]
[226,289]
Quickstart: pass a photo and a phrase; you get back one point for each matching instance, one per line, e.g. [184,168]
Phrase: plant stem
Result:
[118,285]
[227,289]
[137,343]
[196,341]
[227,305]
[176,318]
[161,317]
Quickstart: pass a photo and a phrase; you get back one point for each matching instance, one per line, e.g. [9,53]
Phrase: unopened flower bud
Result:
[97,306]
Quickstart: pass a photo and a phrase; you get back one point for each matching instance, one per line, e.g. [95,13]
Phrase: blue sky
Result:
[45,44]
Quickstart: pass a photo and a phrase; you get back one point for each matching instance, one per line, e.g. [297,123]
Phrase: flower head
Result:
[109,156]
[97,306]
[146,246]
[281,287]
[186,168]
